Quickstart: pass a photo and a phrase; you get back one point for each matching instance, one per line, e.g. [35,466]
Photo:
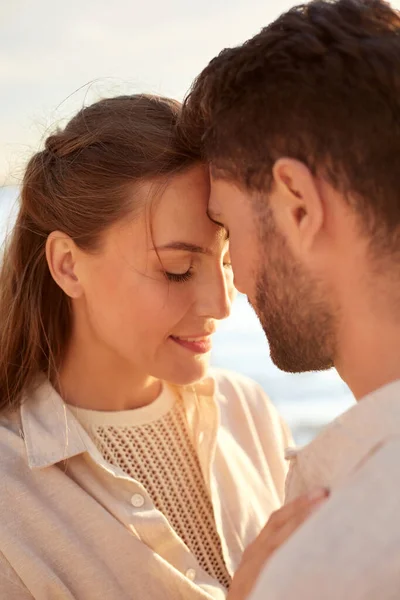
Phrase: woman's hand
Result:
[278,529]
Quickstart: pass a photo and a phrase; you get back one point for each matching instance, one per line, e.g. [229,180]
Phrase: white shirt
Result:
[350,548]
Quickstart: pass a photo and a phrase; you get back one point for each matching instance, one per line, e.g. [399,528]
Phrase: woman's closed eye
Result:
[179,277]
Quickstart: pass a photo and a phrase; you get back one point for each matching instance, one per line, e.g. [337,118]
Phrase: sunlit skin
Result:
[147,302]
[323,296]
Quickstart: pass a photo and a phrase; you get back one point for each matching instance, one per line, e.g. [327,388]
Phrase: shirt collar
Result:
[51,432]
[343,444]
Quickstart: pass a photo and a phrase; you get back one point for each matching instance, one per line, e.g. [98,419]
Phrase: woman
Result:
[115,483]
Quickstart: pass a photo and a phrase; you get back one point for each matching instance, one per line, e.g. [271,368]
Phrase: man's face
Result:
[293,306]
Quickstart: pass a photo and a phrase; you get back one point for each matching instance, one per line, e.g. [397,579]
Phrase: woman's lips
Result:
[196,344]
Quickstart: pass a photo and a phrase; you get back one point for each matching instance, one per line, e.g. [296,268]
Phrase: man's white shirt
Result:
[350,547]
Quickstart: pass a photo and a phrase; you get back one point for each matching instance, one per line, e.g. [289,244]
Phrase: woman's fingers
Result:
[296,508]
[287,521]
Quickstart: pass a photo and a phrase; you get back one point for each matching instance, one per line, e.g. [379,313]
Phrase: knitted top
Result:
[153,445]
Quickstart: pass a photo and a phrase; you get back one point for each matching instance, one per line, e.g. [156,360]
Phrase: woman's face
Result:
[153,294]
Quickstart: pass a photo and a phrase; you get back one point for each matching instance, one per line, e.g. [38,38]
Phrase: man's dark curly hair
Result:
[321,84]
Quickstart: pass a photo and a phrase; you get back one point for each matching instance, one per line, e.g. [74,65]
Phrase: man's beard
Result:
[293,308]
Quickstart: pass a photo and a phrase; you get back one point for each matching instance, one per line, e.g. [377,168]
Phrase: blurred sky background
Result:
[57,56]
[54,56]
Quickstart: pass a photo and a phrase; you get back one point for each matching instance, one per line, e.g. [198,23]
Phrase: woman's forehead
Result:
[182,207]
[176,212]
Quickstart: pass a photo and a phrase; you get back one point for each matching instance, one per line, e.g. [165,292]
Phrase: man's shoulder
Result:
[348,441]
[350,547]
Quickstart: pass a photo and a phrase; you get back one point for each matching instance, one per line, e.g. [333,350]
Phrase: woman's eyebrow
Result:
[186,247]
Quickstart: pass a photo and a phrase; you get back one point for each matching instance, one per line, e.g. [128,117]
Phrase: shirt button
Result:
[137,500]
[191,574]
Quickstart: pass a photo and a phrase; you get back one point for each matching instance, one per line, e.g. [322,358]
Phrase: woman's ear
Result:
[297,204]
[61,255]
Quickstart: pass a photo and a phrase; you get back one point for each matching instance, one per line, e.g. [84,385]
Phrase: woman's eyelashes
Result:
[182,277]
[179,277]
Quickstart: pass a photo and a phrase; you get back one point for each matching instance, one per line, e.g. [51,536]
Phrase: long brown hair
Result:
[79,185]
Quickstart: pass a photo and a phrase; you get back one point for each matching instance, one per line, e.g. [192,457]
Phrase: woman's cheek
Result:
[181,298]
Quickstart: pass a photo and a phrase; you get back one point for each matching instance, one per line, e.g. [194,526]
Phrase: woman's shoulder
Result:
[10,420]
[243,401]
[235,386]
[12,447]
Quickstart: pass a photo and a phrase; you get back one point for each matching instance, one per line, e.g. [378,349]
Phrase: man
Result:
[301,128]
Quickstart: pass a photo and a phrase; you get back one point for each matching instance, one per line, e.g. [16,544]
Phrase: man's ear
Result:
[297,203]
[61,255]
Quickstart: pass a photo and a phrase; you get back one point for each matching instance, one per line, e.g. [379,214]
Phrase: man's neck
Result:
[369,352]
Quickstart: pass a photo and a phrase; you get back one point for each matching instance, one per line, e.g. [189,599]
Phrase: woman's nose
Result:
[216,298]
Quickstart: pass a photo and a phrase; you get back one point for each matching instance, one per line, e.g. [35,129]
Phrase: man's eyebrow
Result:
[184,246]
